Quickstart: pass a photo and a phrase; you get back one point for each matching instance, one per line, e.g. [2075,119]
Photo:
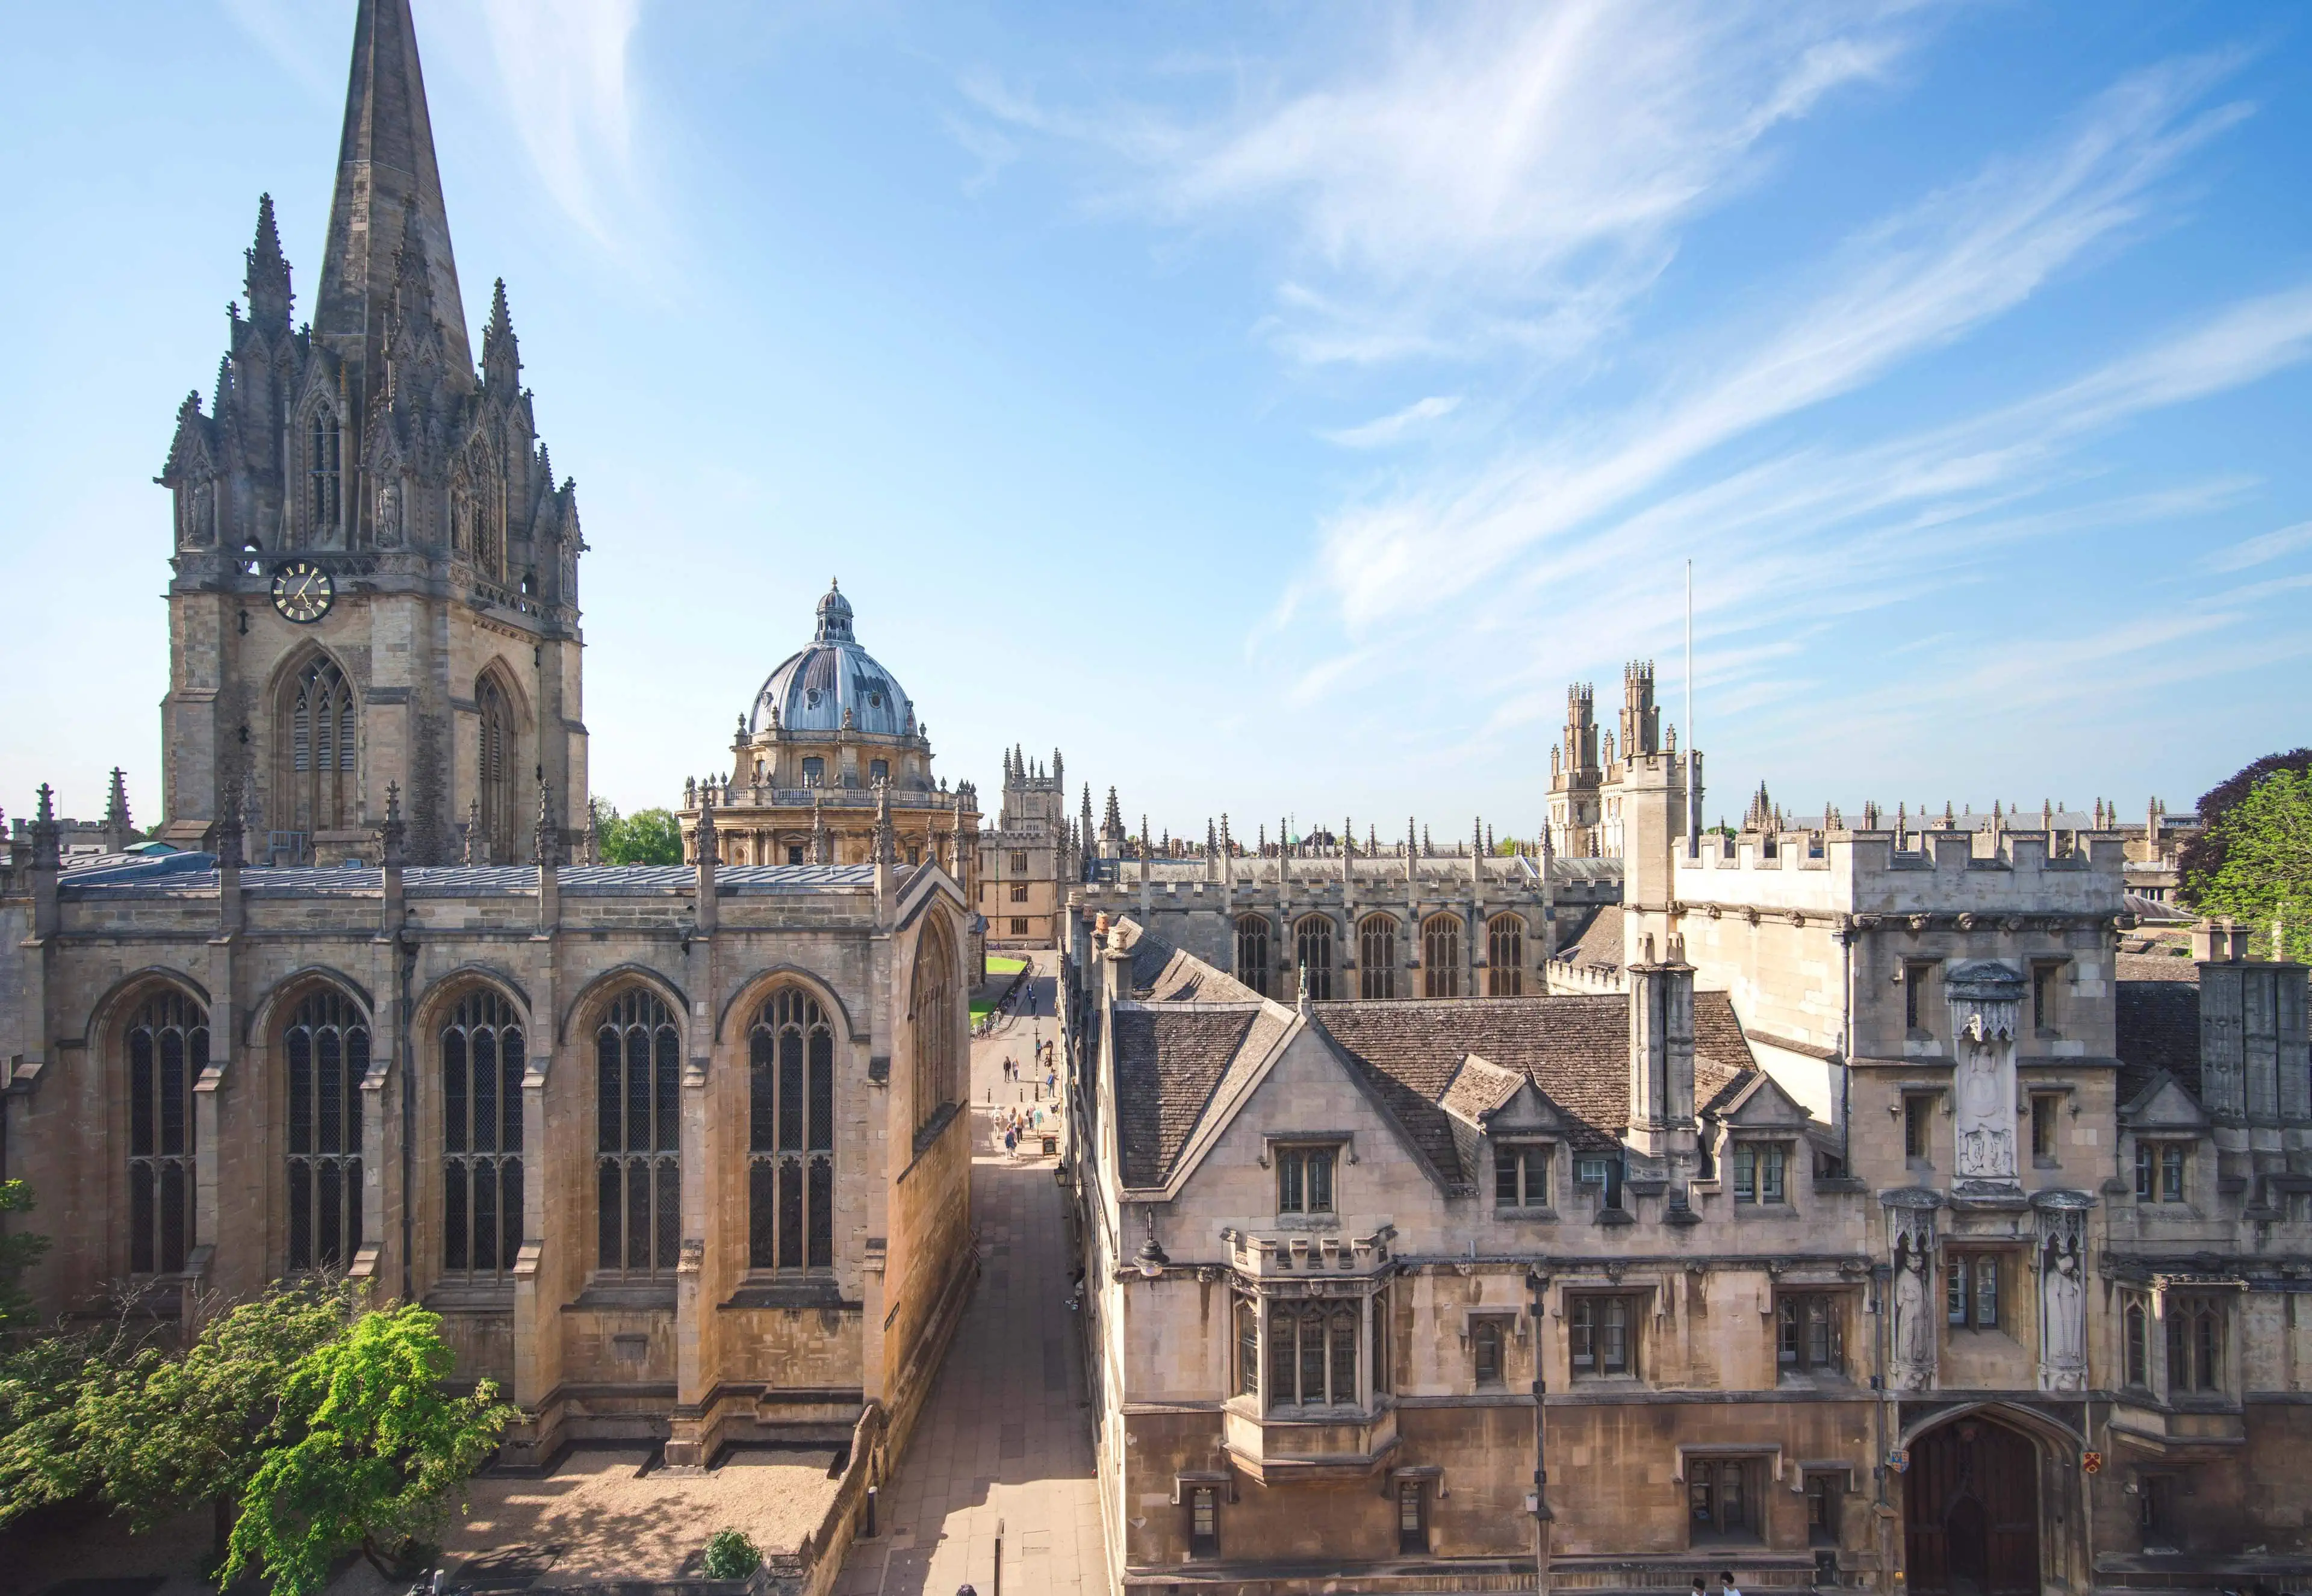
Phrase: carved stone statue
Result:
[1914,1349]
[1985,996]
[388,516]
[2065,1307]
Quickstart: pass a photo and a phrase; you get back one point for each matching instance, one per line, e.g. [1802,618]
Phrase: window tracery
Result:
[1376,957]
[483,1061]
[167,1048]
[325,1046]
[638,1136]
[791,1134]
[316,743]
[1441,956]
[931,1018]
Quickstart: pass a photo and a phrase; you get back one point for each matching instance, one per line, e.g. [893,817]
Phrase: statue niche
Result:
[1985,996]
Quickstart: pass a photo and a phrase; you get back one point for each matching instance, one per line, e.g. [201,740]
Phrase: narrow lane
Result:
[1006,1437]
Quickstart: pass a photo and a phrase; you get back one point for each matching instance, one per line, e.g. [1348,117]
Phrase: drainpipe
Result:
[1847,933]
[1539,1286]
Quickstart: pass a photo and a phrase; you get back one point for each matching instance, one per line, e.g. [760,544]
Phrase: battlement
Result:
[2021,871]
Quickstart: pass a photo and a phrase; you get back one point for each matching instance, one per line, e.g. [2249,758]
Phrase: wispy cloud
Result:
[1513,174]
[1394,427]
[563,66]
[1963,257]
[2256,551]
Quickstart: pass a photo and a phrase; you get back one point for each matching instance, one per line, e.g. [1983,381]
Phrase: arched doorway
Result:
[1971,1512]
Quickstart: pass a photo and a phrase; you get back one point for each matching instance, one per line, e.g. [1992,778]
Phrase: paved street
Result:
[1006,1440]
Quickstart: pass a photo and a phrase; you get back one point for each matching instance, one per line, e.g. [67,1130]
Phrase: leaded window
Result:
[168,1047]
[2195,1345]
[638,1135]
[1376,957]
[483,1061]
[1312,1354]
[1520,1175]
[1762,1172]
[791,1134]
[1505,956]
[1441,956]
[1252,952]
[326,1044]
[1304,1179]
[1313,955]
[1809,1336]
[1971,1290]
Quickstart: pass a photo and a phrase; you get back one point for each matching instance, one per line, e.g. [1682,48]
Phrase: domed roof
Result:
[811,689]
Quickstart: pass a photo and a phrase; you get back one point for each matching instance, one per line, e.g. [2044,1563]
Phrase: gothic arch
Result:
[1442,956]
[316,752]
[934,985]
[750,993]
[583,1009]
[289,988]
[318,477]
[446,988]
[501,718]
[1505,939]
[314,1029]
[1316,954]
[106,1013]
[2048,1432]
[1379,936]
[153,1047]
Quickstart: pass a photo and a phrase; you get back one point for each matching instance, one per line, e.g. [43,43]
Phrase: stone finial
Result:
[546,851]
[117,828]
[820,851]
[393,837]
[473,849]
[594,832]
[229,833]
[886,848]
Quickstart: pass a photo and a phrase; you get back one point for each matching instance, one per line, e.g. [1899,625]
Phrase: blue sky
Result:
[1273,408]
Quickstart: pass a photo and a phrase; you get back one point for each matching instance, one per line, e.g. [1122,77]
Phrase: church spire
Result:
[501,354]
[266,285]
[389,187]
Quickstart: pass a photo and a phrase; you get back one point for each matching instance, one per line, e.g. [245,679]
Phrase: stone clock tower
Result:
[376,575]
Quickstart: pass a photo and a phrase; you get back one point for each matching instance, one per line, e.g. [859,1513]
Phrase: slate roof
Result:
[1194,1041]
[1597,941]
[1573,1049]
[1170,1061]
[198,872]
[2159,1028]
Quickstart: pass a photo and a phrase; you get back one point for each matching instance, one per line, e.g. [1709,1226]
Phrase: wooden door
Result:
[1971,1512]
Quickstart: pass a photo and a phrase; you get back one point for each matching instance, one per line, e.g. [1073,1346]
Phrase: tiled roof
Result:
[1597,941]
[2158,965]
[1575,1048]
[198,872]
[1179,1055]
[1170,1059]
[2159,1028]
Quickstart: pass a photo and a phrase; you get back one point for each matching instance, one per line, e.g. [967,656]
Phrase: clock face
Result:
[302,591]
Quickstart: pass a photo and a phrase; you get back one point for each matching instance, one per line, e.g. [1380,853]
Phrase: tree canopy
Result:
[2263,872]
[646,836]
[2202,858]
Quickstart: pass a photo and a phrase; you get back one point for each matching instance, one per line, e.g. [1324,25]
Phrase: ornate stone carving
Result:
[2061,1260]
[1985,997]
[1911,1291]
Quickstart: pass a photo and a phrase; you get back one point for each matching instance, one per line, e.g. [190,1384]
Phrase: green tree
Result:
[364,1453]
[646,836]
[2265,869]
[172,1431]
[19,1251]
[732,1555]
[42,1378]
[2202,857]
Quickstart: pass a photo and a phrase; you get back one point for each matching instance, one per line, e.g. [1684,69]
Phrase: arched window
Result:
[1376,957]
[315,780]
[494,771]
[482,1065]
[1312,940]
[1247,1348]
[2138,1348]
[1505,956]
[637,1135]
[324,467]
[1441,956]
[931,1015]
[1252,952]
[168,1047]
[326,1045]
[791,1134]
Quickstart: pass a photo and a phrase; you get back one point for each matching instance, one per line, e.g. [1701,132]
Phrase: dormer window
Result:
[1520,1175]
[1304,1179]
